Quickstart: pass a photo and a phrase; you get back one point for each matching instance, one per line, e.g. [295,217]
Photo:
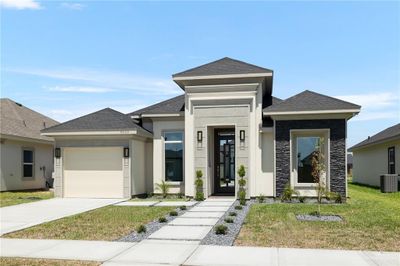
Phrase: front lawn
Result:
[108,223]
[44,262]
[371,222]
[9,198]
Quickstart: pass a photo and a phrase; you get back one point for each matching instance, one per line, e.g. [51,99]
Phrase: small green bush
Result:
[164,188]
[242,182]
[238,207]
[141,229]
[173,213]
[242,197]
[288,193]
[261,198]
[232,213]
[162,220]
[221,229]
[302,199]
[183,207]
[338,198]
[198,183]
[228,220]
[199,196]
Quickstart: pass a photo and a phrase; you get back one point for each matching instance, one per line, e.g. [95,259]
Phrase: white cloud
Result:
[20,4]
[84,89]
[72,6]
[108,79]
[375,106]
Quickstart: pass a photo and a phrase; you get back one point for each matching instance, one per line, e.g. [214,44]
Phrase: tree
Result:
[242,182]
[318,169]
[199,186]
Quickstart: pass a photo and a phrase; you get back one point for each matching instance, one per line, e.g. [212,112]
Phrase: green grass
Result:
[18,197]
[108,223]
[159,199]
[44,262]
[371,222]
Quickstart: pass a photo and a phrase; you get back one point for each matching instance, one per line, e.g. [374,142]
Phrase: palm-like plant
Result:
[163,187]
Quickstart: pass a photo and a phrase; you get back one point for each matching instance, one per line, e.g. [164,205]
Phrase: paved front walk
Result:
[21,216]
[195,224]
[167,252]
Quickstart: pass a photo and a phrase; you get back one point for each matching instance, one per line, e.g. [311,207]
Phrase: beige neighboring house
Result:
[226,117]
[377,155]
[26,155]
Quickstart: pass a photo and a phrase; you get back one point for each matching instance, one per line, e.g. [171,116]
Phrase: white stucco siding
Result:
[11,164]
[159,127]
[264,180]
[370,163]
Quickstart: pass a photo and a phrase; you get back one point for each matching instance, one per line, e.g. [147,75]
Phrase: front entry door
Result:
[224,173]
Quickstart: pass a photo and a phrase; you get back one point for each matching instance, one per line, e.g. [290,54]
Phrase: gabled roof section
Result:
[391,133]
[104,120]
[20,121]
[224,66]
[311,102]
[174,105]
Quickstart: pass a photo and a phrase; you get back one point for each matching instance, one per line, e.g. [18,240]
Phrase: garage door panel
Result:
[93,172]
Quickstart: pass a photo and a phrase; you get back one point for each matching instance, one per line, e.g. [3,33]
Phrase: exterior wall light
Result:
[242,135]
[199,136]
[126,152]
[57,152]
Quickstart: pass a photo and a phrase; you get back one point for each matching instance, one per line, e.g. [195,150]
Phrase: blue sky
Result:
[66,59]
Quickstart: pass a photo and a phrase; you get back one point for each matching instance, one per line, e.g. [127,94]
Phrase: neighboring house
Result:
[26,155]
[377,155]
[226,117]
[350,164]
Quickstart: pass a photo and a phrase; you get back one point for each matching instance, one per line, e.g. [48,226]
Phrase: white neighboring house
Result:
[377,155]
[226,117]
[26,155]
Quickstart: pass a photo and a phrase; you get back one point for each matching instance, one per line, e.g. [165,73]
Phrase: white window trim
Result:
[23,163]
[294,133]
[183,155]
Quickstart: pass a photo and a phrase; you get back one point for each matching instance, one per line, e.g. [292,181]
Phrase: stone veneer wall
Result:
[337,151]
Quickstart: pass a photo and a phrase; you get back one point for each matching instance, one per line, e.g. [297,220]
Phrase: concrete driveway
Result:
[17,217]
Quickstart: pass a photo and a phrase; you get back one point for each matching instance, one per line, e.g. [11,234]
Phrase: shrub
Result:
[232,213]
[338,198]
[183,207]
[199,186]
[221,229]
[228,220]
[261,198]
[242,197]
[173,213]
[302,199]
[288,193]
[162,220]
[181,195]
[141,229]
[242,183]
[199,196]
[164,188]
[238,207]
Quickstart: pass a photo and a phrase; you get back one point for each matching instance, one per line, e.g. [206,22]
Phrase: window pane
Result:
[173,136]
[305,148]
[174,161]
[28,170]
[28,156]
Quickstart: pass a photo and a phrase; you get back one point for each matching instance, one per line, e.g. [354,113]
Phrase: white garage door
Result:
[93,172]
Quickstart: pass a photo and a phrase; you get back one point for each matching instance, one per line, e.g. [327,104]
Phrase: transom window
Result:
[27,163]
[391,160]
[306,147]
[173,142]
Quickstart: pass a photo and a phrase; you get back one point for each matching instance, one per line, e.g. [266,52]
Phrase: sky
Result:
[69,58]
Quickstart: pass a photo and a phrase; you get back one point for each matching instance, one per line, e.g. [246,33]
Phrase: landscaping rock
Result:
[321,218]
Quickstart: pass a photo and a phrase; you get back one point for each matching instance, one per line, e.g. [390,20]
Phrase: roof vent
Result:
[20,105]
[369,137]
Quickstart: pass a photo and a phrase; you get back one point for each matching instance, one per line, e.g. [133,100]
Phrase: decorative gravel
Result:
[233,228]
[321,218]
[151,227]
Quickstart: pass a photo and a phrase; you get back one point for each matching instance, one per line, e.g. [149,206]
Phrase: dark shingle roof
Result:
[171,106]
[390,133]
[224,66]
[17,120]
[103,120]
[310,101]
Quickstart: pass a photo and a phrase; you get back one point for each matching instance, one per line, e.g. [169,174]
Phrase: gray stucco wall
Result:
[337,151]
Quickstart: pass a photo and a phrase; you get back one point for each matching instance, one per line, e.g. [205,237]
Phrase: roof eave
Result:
[356,147]
[314,112]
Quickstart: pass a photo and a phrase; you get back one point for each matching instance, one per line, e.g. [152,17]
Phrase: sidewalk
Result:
[167,252]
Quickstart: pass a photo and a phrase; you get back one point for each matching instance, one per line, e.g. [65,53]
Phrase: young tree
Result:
[199,186]
[318,170]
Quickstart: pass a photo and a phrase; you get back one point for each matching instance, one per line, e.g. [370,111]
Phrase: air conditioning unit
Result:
[389,183]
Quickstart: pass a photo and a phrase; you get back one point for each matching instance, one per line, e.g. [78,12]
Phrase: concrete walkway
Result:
[172,252]
[21,216]
[195,224]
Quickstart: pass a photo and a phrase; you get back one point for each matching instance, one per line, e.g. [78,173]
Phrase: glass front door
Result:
[224,182]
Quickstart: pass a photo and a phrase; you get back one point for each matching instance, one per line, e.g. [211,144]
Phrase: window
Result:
[391,160]
[27,163]
[173,156]
[306,146]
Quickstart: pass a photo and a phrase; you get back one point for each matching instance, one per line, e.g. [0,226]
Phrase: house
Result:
[377,155]
[26,155]
[225,118]
[350,164]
